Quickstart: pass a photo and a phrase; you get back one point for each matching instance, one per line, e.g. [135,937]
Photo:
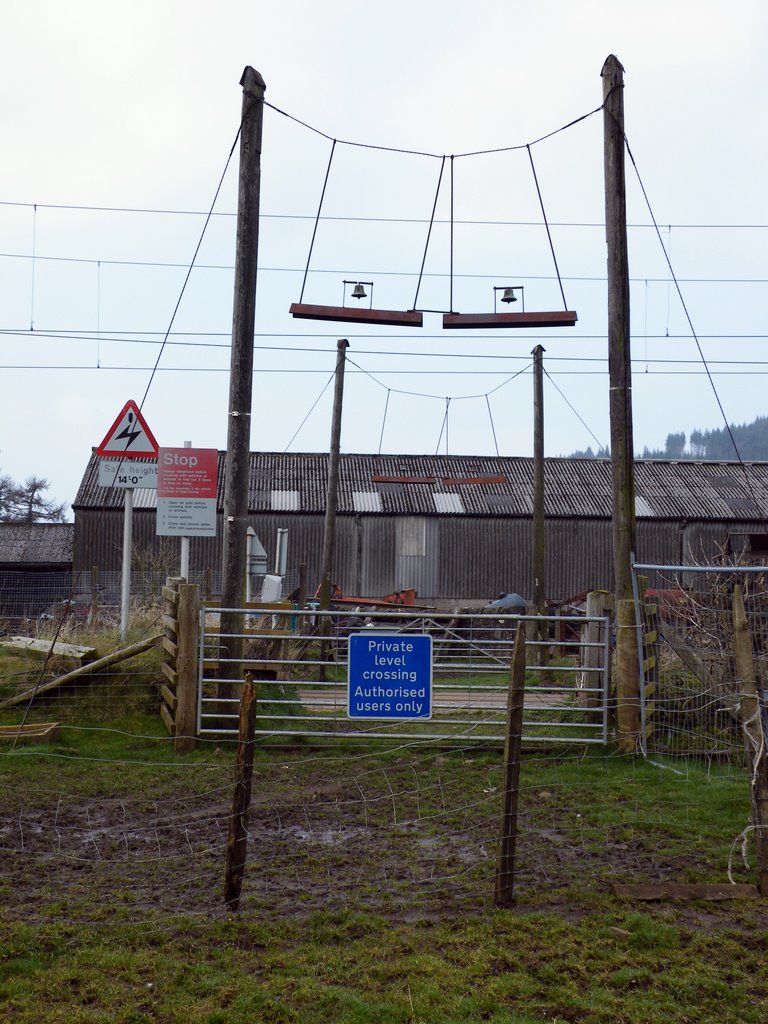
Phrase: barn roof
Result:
[455,485]
[36,543]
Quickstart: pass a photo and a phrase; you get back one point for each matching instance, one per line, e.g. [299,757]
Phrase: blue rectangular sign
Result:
[390,675]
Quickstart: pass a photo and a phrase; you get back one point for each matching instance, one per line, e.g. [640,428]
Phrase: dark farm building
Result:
[452,527]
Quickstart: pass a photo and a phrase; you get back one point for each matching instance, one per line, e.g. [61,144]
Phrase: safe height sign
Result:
[390,676]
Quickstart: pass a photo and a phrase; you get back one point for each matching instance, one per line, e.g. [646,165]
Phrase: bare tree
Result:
[27,503]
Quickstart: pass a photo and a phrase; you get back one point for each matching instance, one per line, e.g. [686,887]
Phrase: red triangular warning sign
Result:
[129,435]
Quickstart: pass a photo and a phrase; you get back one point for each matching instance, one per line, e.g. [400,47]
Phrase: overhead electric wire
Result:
[442,355]
[103,368]
[594,278]
[394,220]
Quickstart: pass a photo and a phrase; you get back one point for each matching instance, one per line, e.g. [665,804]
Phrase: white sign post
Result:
[128,436]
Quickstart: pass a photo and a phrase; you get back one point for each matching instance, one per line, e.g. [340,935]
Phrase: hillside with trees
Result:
[716,445]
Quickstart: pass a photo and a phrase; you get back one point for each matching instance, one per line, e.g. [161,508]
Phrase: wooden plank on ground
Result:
[683,891]
[85,670]
[34,732]
[61,650]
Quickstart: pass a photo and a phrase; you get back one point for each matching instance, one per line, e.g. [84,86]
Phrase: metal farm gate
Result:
[298,660]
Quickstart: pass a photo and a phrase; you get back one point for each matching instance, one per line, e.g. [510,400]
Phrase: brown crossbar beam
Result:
[394,317]
[562,318]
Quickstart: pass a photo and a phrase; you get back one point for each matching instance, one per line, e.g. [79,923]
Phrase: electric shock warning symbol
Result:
[129,434]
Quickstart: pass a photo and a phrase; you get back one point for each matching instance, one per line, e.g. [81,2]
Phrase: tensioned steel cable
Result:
[383,421]
[573,410]
[762,514]
[435,156]
[317,219]
[192,263]
[429,234]
[546,225]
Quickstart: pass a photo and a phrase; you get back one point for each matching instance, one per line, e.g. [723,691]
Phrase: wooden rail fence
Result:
[178,694]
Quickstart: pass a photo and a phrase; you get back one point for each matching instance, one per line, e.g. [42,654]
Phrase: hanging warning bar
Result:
[393,317]
[555,318]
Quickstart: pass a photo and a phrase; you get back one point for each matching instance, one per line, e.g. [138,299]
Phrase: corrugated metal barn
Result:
[452,527]
[35,566]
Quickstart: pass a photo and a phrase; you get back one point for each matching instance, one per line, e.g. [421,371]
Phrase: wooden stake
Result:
[627,679]
[237,841]
[188,647]
[505,865]
[750,713]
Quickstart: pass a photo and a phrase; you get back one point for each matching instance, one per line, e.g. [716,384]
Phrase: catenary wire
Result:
[395,220]
[167,265]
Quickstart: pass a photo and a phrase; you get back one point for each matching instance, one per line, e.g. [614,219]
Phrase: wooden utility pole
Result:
[504,890]
[539,551]
[619,358]
[329,529]
[241,366]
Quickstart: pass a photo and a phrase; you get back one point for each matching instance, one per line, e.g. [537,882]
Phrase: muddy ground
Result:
[405,837]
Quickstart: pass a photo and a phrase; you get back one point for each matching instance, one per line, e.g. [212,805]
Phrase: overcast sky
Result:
[118,119]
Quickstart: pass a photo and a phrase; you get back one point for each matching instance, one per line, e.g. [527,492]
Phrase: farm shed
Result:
[452,527]
[35,566]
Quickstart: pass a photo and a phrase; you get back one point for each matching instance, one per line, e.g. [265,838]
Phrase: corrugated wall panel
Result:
[417,554]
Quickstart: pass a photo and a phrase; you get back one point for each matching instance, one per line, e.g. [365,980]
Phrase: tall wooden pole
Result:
[619,359]
[539,555]
[539,552]
[329,528]
[241,365]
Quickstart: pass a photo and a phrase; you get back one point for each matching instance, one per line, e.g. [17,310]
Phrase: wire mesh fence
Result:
[413,830]
[104,821]
[694,711]
[31,601]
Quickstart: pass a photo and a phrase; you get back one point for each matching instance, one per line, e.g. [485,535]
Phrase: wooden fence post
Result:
[187,681]
[599,603]
[237,841]
[627,678]
[504,894]
[750,713]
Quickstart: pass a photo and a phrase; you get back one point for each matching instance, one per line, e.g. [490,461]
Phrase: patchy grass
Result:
[119,918]
[611,965]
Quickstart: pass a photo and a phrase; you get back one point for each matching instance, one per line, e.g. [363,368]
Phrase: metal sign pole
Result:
[125,592]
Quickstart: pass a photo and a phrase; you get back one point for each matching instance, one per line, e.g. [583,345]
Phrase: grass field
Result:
[368,890]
